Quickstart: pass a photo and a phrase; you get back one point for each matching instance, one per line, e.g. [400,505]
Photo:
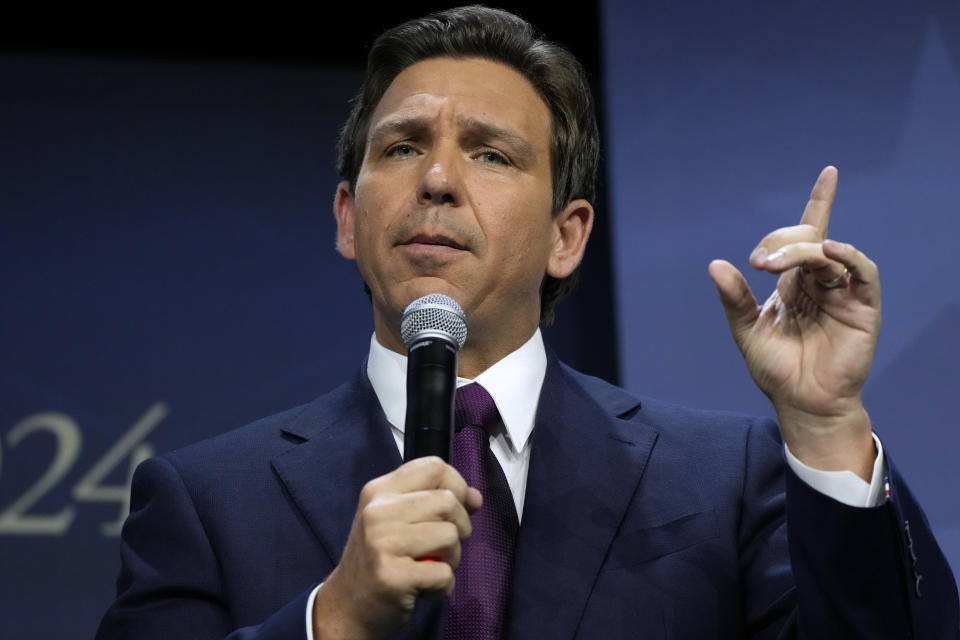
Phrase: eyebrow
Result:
[402,125]
[485,130]
[475,128]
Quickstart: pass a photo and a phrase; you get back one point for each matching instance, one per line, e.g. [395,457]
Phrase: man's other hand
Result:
[810,346]
[404,543]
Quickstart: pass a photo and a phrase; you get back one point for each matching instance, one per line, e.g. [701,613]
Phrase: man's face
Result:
[454,196]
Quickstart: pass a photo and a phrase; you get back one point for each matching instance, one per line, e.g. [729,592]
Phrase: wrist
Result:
[332,615]
[842,442]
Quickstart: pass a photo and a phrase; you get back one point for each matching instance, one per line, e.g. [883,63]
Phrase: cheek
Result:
[370,218]
[379,205]
[518,213]
[536,228]
[366,235]
[524,247]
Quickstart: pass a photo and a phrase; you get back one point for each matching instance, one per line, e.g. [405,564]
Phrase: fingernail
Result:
[773,257]
[758,254]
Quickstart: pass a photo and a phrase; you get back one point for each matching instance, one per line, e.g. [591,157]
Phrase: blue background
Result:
[167,239]
[167,243]
[720,116]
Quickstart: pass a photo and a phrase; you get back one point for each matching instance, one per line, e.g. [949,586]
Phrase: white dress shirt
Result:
[514,384]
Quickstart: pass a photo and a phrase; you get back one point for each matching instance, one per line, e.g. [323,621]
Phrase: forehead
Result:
[467,89]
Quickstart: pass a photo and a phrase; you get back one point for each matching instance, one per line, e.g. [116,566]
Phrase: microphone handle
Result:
[431,387]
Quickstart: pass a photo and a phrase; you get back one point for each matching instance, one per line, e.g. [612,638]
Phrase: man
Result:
[467,169]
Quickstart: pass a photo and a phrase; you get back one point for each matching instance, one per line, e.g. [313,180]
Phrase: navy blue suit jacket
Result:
[641,520]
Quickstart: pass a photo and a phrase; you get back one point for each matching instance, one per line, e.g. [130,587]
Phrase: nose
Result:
[441,183]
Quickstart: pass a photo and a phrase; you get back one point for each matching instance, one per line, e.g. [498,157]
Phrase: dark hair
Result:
[477,31]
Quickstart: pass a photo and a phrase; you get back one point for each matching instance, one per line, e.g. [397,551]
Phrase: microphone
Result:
[433,328]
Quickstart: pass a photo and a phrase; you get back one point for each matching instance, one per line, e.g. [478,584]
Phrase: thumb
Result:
[739,305]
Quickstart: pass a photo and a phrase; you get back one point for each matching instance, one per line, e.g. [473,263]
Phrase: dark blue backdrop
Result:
[168,251]
[720,116]
[168,270]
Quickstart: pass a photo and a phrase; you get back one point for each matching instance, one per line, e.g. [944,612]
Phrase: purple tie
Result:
[479,599]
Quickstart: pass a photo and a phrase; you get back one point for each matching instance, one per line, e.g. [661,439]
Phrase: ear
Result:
[343,211]
[571,229]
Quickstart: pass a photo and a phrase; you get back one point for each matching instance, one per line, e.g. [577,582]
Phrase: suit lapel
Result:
[344,441]
[583,472]
[584,469]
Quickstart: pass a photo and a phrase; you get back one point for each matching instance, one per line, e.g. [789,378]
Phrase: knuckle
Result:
[369,491]
[448,502]
[444,577]
[433,463]
[371,513]
[432,468]
[438,468]
[455,556]
[449,534]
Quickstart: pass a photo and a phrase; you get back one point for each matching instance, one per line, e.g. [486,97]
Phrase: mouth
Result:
[436,240]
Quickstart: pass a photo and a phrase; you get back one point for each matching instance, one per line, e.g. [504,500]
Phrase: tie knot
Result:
[475,407]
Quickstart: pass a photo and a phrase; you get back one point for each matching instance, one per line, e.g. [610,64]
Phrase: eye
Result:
[493,157]
[402,150]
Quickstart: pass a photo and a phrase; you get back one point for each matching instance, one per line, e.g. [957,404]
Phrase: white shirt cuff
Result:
[313,596]
[844,486]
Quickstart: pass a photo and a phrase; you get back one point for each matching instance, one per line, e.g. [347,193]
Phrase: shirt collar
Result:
[514,384]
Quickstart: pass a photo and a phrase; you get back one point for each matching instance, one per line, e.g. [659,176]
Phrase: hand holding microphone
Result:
[418,511]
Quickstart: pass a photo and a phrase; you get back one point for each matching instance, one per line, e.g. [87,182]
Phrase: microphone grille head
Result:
[434,315]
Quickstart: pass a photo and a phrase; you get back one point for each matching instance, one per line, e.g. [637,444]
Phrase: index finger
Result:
[430,472]
[817,212]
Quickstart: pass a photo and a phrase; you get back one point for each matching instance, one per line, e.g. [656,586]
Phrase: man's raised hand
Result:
[810,346]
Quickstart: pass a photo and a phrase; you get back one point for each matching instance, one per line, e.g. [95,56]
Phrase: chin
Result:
[425,286]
